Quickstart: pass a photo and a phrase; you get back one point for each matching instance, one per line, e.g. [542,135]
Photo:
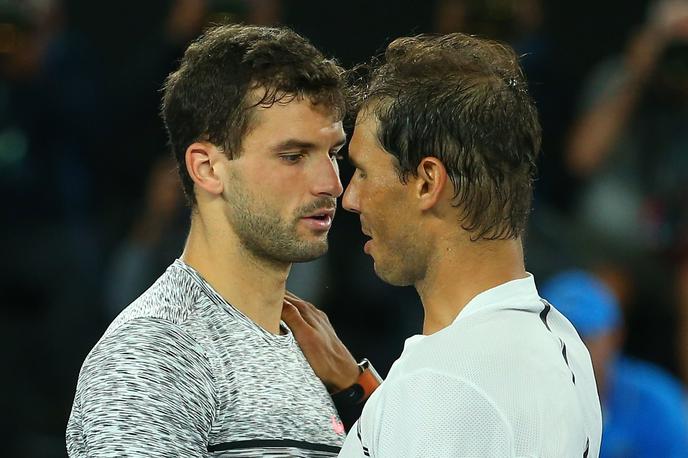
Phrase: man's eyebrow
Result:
[295,143]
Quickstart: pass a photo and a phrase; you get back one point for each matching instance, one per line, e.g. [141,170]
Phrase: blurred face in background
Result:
[385,207]
[281,190]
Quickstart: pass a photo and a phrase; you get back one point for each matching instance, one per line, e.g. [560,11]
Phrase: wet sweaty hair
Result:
[464,101]
[212,95]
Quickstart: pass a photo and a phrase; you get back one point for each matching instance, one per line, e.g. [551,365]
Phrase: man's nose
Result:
[350,200]
[327,181]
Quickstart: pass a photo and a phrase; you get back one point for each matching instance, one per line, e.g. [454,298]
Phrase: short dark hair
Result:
[463,100]
[208,97]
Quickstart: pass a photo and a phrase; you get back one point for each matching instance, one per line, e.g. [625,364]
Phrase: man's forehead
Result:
[261,100]
[295,126]
[365,129]
[365,148]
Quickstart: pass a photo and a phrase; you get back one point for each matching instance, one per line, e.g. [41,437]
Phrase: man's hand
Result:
[327,355]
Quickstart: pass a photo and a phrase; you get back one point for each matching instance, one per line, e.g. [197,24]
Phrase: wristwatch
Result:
[367,382]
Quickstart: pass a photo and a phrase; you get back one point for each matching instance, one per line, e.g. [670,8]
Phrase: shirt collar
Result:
[210,292]
[520,292]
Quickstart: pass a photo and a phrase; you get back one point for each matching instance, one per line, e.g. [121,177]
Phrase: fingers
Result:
[291,295]
[290,313]
[294,319]
[301,304]
[309,337]
[313,315]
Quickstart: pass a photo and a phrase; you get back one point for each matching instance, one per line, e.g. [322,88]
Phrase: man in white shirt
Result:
[444,146]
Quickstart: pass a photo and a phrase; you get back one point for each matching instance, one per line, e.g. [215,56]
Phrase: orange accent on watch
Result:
[368,379]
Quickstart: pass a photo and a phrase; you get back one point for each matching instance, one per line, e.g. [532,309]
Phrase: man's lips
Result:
[366,247]
[366,232]
[320,220]
[321,213]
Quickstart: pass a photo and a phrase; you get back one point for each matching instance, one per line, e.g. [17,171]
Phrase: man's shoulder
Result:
[141,356]
[142,341]
[456,355]
[488,335]
[145,375]
[159,325]
[175,298]
[493,349]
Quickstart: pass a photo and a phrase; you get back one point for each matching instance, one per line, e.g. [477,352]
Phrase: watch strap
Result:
[367,382]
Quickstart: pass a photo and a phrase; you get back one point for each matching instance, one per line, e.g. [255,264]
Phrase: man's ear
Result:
[201,163]
[431,180]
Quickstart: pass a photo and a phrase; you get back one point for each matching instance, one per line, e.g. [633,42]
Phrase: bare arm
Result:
[598,129]
[330,359]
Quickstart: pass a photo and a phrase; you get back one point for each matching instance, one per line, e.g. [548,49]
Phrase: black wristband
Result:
[350,396]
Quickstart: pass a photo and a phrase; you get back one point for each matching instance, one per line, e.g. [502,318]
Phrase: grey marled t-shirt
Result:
[181,372]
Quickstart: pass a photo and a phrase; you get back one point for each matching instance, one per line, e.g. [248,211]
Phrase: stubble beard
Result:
[403,263]
[266,235]
[395,272]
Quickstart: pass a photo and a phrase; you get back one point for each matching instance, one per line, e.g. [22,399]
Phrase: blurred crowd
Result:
[94,212]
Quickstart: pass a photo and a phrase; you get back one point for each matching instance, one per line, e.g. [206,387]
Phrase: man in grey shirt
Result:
[201,364]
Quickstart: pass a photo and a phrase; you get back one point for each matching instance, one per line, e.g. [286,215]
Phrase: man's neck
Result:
[458,273]
[252,285]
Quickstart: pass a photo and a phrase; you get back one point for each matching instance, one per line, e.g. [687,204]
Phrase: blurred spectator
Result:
[25,33]
[643,407]
[517,22]
[629,147]
[523,24]
[630,140]
[509,20]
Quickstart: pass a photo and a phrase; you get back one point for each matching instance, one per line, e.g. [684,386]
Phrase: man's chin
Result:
[311,252]
[391,276]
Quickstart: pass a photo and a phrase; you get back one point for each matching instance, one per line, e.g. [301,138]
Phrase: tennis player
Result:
[444,146]
[201,365]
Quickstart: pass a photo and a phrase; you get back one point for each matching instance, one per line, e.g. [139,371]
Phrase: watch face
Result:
[350,396]
[359,393]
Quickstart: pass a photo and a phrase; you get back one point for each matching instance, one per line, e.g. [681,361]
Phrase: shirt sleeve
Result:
[429,414]
[146,390]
